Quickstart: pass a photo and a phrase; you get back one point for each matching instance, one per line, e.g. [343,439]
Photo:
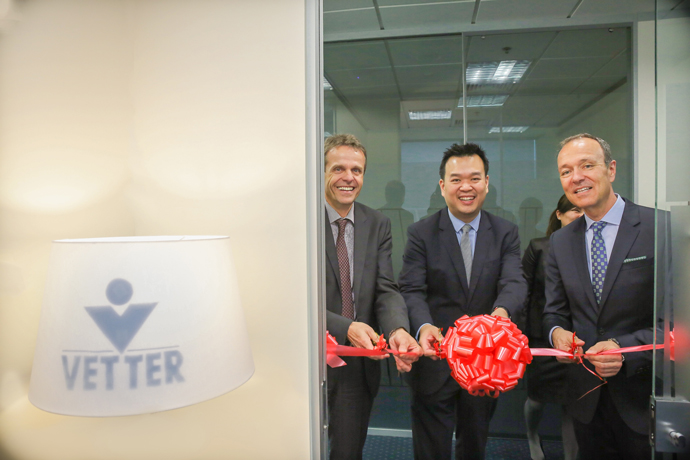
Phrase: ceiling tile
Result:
[351,21]
[612,7]
[430,75]
[427,50]
[372,92]
[552,86]
[363,78]
[490,48]
[499,10]
[357,55]
[599,85]
[428,92]
[431,15]
[398,3]
[566,67]
[340,5]
[617,67]
[588,43]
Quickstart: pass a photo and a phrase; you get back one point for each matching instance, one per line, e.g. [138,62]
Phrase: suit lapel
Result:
[331,253]
[449,240]
[581,263]
[481,251]
[626,236]
[362,232]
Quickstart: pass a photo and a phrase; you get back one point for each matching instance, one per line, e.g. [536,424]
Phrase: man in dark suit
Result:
[361,295]
[600,284]
[458,261]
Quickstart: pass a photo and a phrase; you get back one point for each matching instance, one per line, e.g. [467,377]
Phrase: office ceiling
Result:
[393,60]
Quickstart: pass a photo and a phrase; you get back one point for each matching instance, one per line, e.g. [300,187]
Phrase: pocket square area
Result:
[633,259]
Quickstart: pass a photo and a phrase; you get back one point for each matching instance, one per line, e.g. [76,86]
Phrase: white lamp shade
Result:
[138,325]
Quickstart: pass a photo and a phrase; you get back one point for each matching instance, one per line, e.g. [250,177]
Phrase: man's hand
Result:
[428,336]
[401,341]
[502,312]
[361,335]
[562,340]
[605,365]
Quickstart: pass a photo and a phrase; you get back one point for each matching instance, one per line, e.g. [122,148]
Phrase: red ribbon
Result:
[487,355]
[334,351]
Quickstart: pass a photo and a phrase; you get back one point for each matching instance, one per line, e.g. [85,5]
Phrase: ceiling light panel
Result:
[418,115]
[508,129]
[496,72]
[487,100]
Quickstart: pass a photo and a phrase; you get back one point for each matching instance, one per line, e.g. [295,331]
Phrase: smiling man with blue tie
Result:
[600,284]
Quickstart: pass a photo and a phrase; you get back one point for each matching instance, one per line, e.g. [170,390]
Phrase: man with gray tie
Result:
[361,296]
[458,261]
[600,285]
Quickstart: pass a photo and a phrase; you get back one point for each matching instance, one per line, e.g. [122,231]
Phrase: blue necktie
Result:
[599,261]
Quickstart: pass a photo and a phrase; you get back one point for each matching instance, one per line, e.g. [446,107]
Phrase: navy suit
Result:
[625,312]
[378,303]
[434,284]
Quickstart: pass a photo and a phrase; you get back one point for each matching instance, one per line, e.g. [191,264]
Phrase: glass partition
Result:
[515,94]
[671,426]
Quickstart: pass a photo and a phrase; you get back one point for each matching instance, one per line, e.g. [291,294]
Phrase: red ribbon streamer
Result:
[334,351]
[487,355]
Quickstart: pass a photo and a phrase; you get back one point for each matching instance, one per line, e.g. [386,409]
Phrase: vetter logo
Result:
[98,369]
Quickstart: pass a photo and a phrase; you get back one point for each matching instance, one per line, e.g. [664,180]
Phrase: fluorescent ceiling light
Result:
[509,129]
[489,100]
[416,115]
[496,72]
[327,85]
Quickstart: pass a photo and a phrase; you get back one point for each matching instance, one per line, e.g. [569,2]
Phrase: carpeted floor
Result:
[395,448]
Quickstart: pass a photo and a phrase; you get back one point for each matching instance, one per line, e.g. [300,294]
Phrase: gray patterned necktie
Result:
[599,260]
[344,266]
[466,248]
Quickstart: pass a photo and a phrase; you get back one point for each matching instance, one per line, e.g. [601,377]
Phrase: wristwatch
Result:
[619,346]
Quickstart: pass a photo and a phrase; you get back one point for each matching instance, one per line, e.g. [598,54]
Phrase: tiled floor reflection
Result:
[395,448]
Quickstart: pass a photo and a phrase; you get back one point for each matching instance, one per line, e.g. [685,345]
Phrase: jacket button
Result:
[601,331]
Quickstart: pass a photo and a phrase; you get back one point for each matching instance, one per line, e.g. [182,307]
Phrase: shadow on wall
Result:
[400,220]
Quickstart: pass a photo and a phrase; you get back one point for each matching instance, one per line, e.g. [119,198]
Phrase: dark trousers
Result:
[436,416]
[608,437]
[349,407]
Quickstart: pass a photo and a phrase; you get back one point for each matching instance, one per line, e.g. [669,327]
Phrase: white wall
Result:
[142,118]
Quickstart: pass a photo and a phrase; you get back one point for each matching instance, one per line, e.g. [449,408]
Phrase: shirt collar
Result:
[333,214]
[458,224]
[612,217]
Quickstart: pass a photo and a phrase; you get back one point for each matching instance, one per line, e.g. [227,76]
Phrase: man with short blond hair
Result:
[362,298]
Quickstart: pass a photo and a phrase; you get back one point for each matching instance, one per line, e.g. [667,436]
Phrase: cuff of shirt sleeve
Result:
[551,334]
[416,337]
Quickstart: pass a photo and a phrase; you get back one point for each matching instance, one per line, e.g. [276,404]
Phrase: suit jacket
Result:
[625,313]
[534,268]
[434,284]
[377,299]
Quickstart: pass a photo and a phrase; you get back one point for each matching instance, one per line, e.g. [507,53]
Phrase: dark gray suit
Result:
[625,312]
[379,304]
[434,285]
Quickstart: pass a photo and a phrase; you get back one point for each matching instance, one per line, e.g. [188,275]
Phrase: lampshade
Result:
[137,325]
